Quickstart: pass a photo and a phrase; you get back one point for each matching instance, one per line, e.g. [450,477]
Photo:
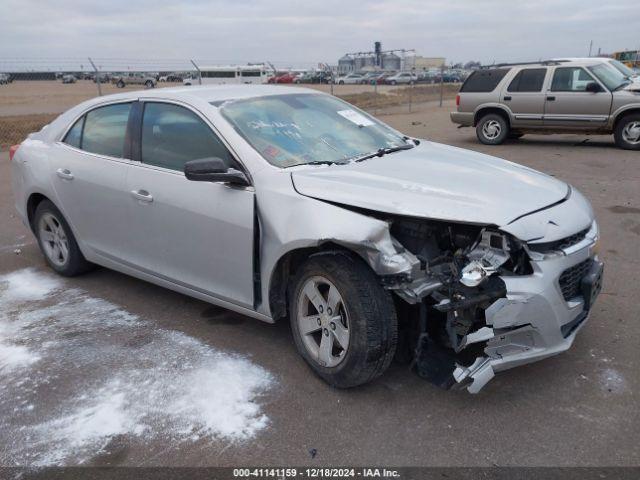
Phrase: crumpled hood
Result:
[435,181]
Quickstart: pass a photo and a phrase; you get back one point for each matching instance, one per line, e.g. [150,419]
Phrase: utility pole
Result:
[590,47]
[97,77]
[199,72]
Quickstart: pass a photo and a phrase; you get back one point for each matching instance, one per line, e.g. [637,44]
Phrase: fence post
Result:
[411,89]
[97,77]
[199,72]
[441,83]
[332,81]
[375,95]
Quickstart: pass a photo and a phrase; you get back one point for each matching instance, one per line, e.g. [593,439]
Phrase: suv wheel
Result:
[57,242]
[120,84]
[627,132]
[343,322]
[149,84]
[492,129]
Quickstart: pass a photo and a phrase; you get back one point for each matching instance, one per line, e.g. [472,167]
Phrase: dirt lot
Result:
[110,370]
[26,106]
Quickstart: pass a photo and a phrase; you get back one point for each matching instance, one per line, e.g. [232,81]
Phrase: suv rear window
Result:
[484,80]
[528,80]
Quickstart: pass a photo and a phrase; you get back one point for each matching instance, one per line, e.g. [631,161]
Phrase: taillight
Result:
[457,100]
[12,151]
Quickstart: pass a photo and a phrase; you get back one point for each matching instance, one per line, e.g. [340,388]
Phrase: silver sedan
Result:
[289,203]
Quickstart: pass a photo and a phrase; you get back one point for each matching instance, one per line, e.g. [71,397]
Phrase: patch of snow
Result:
[123,377]
[26,284]
[612,381]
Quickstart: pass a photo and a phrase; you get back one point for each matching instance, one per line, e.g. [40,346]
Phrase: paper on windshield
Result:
[355,117]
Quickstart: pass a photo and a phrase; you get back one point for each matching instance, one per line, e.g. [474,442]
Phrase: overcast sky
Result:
[302,33]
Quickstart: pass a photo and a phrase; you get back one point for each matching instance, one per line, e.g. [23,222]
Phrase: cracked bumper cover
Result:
[534,321]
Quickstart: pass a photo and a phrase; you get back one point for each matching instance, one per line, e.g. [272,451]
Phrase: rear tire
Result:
[492,129]
[148,84]
[364,314]
[57,242]
[627,132]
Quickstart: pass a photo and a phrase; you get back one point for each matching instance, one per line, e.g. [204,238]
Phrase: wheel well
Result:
[34,200]
[631,111]
[286,268]
[486,111]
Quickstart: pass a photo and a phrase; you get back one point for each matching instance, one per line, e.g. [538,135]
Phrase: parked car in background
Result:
[5,78]
[104,78]
[381,78]
[306,77]
[578,96]
[349,79]
[368,76]
[171,78]
[68,79]
[322,76]
[282,77]
[402,78]
[134,79]
[185,188]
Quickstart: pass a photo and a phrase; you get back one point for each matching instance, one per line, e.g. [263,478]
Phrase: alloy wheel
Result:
[323,321]
[54,239]
[631,133]
[491,129]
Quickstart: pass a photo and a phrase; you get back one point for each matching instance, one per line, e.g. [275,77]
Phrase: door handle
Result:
[507,98]
[64,173]
[142,195]
[551,99]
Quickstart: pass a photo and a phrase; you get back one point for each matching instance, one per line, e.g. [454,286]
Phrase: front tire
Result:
[627,132]
[492,129]
[344,323]
[57,242]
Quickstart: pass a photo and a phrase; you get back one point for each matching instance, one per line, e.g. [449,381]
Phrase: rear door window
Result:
[485,80]
[74,135]
[173,135]
[105,129]
[528,80]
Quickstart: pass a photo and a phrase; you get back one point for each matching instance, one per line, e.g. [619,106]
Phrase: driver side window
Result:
[570,79]
[173,135]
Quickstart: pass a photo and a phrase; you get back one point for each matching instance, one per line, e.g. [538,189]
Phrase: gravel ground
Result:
[104,369]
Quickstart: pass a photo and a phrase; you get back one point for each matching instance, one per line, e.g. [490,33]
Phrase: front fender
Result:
[305,222]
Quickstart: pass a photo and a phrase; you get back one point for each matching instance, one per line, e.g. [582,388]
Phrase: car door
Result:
[568,104]
[525,98]
[195,234]
[89,169]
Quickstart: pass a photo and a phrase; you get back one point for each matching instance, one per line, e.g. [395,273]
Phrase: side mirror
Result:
[214,170]
[593,87]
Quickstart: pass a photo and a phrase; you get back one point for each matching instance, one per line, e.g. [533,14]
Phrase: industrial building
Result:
[389,60]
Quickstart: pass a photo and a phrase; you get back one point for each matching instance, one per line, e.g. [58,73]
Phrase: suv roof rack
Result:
[542,62]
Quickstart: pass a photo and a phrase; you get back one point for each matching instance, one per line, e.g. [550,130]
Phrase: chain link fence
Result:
[33,92]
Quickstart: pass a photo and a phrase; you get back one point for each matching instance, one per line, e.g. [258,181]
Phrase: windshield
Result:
[622,68]
[611,77]
[298,129]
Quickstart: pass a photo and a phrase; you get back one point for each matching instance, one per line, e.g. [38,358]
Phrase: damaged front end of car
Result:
[472,301]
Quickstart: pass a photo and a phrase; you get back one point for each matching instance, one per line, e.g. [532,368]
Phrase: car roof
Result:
[207,93]
[556,62]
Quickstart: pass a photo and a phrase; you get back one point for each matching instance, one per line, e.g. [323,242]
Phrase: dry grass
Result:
[401,96]
[14,129]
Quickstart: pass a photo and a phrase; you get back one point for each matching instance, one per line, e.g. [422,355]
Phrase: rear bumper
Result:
[462,118]
[534,321]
